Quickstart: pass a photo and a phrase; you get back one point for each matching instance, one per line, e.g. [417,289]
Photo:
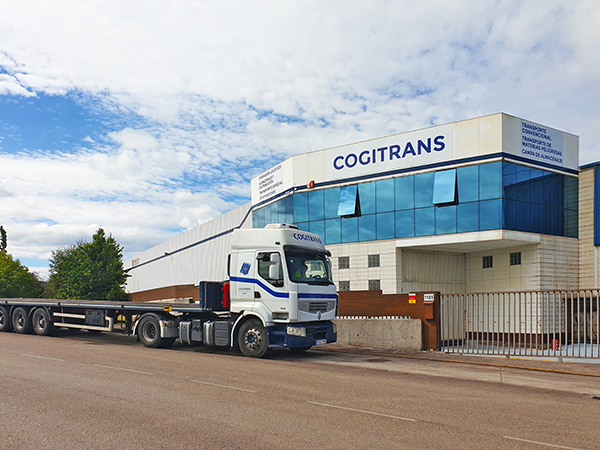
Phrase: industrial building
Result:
[490,204]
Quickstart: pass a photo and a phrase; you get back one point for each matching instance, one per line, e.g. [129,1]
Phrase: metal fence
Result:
[562,324]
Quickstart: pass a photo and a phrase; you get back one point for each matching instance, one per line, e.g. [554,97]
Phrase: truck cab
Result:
[281,276]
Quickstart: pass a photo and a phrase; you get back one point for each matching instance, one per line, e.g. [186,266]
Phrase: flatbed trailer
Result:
[279,294]
[44,316]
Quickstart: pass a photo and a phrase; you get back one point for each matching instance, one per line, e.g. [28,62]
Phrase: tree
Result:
[16,281]
[3,241]
[88,270]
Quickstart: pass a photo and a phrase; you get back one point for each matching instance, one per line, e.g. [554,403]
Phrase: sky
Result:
[148,118]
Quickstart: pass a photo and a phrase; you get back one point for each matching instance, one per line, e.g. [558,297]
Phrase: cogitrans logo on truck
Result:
[307,237]
[390,153]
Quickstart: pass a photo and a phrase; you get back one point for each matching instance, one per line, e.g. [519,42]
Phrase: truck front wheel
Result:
[149,333]
[252,339]
[20,320]
[5,323]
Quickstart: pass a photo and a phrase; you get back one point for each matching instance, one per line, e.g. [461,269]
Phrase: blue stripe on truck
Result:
[262,285]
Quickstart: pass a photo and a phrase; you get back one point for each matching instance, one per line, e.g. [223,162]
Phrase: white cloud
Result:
[224,90]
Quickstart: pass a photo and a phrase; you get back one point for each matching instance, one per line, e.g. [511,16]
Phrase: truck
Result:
[279,294]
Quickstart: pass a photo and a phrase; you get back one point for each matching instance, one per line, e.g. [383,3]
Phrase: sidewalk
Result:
[582,367]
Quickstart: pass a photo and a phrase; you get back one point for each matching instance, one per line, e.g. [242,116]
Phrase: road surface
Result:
[77,390]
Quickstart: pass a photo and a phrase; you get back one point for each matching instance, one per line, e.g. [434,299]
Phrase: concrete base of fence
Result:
[397,334]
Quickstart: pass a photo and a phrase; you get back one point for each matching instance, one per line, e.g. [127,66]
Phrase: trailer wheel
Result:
[5,323]
[252,339]
[20,320]
[149,333]
[42,325]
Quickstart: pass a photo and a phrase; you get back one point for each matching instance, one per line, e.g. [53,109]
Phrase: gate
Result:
[562,324]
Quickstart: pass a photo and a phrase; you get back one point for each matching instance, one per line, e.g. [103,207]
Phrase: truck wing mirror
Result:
[275,258]
[274,271]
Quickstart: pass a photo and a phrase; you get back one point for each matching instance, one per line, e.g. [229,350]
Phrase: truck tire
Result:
[5,323]
[20,320]
[42,325]
[252,339]
[149,333]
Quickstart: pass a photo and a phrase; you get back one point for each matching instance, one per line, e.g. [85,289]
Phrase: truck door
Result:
[243,274]
[270,289]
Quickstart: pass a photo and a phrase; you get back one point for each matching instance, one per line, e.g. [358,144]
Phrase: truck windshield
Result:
[311,268]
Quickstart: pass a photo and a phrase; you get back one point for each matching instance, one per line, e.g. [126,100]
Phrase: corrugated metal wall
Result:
[430,271]
[170,263]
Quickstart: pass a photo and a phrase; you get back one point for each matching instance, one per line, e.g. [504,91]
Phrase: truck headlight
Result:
[334,328]
[296,331]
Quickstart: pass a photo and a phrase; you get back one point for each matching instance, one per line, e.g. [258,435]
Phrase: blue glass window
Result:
[444,187]
[302,226]
[316,205]
[288,210]
[424,189]
[490,180]
[259,215]
[348,201]
[468,184]
[367,230]
[349,229]
[490,215]
[384,190]
[445,220]
[405,223]
[333,231]
[425,222]
[332,197]
[366,195]
[301,207]
[468,217]
[385,226]
[405,192]
[317,227]
[268,209]
[509,174]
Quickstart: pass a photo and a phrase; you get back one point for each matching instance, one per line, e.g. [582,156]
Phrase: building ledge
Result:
[470,242]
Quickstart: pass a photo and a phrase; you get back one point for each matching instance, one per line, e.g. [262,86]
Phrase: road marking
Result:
[42,357]
[361,411]
[123,369]
[223,386]
[541,443]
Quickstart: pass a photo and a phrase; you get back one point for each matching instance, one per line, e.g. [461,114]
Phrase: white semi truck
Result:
[280,294]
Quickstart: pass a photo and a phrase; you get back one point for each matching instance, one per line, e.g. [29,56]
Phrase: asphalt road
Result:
[82,391]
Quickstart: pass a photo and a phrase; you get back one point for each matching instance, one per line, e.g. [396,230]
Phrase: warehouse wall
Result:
[196,255]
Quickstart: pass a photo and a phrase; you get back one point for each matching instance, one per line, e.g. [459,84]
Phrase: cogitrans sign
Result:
[390,153]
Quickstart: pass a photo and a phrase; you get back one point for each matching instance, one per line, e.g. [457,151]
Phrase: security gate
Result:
[561,324]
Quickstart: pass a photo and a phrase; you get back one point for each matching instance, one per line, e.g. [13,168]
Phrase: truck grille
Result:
[314,307]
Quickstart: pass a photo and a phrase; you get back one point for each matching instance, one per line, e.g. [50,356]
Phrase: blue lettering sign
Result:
[393,152]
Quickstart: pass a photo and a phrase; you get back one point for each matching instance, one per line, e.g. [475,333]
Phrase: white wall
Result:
[203,262]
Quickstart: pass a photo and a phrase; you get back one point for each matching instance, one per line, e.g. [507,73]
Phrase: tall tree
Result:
[88,270]
[3,241]
[16,280]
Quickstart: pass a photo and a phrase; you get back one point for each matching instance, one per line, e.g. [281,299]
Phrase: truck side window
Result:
[264,262]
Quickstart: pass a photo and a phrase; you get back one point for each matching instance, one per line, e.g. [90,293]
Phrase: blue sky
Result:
[149,118]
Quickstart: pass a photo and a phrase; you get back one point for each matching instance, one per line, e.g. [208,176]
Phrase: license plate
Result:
[321,341]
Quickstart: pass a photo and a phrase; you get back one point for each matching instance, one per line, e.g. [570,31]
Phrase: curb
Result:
[475,363]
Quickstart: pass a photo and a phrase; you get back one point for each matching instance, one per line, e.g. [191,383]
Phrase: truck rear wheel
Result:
[5,323]
[149,333]
[20,320]
[42,325]
[252,339]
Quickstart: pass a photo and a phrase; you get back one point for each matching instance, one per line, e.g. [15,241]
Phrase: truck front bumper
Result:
[305,334]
